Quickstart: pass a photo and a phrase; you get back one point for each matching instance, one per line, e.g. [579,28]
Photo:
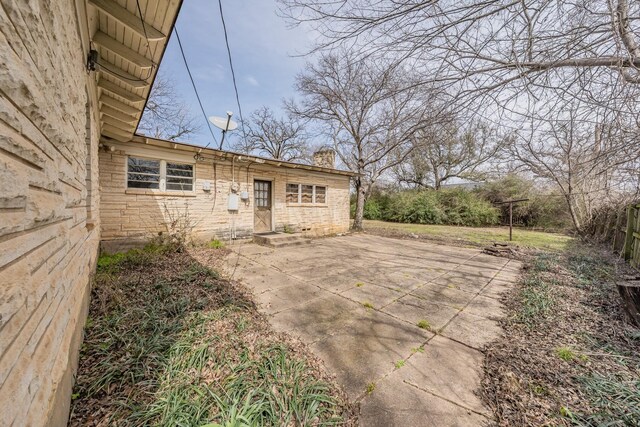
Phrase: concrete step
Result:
[278,240]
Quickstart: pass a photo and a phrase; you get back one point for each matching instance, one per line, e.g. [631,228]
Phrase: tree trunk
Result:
[360,198]
[630,293]
[574,218]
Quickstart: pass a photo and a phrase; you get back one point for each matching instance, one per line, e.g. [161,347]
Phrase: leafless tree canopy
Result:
[450,150]
[368,110]
[508,51]
[166,116]
[521,38]
[588,163]
[279,138]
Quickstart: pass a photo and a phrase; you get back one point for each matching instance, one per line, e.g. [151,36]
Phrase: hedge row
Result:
[450,207]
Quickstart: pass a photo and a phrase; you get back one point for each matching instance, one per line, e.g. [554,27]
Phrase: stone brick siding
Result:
[48,123]
[131,216]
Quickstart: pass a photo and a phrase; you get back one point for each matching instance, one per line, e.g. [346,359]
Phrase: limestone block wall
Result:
[49,220]
[132,216]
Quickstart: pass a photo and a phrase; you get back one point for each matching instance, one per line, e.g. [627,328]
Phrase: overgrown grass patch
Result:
[568,356]
[171,343]
[615,402]
[537,301]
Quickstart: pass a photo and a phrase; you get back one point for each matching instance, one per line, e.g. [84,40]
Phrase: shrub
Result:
[463,207]
[452,207]
[545,208]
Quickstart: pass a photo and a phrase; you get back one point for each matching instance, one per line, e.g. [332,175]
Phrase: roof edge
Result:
[229,155]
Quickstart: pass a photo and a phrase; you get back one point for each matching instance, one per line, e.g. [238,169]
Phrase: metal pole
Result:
[510,221]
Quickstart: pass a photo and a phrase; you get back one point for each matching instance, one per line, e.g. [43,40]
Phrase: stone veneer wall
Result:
[131,216]
[48,206]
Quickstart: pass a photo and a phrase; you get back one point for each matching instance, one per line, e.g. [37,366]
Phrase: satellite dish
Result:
[224,123]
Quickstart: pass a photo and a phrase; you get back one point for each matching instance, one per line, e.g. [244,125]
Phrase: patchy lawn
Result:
[568,356]
[169,342]
[474,236]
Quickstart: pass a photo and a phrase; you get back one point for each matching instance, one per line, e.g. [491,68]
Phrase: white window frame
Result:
[313,194]
[163,176]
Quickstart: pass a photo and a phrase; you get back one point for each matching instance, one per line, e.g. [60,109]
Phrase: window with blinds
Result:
[306,194]
[159,175]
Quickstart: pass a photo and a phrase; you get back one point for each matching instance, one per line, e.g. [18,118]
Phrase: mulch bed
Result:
[568,355]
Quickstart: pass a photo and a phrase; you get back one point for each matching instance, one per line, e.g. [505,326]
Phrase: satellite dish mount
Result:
[224,123]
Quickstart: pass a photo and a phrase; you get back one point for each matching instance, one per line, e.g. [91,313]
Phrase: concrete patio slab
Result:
[378,296]
[368,349]
[396,403]
[474,331]
[317,318]
[316,292]
[282,298]
[496,288]
[482,306]
[447,369]
[413,310]
[442,294]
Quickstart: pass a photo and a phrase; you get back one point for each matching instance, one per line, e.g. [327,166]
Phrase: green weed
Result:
[424,324]
[216,244]
[370,388]
[566,354]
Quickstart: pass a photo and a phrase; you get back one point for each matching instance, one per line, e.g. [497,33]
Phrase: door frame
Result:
[273,200]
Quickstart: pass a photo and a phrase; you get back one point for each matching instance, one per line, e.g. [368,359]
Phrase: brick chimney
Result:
[325,158]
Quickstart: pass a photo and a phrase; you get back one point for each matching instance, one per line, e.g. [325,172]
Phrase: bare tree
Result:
[166,116]
[450,150]
[279,138]
[369,110]
[587,163]
[510,39]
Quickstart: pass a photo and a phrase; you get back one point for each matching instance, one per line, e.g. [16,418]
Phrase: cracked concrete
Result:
[356,301]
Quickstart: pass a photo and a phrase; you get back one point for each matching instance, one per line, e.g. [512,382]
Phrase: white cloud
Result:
[252,81]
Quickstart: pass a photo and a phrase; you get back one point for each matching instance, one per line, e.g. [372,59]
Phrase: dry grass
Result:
[472,236]
[169,342]
[568,356]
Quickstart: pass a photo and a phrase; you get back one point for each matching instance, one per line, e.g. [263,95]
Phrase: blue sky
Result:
[264,53]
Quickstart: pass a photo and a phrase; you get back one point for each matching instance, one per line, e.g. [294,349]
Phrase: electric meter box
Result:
[206,185]
[244,195]
[233,202]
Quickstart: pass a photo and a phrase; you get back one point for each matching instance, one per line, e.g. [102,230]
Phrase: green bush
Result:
[544,209]
[451,207]
[463,207]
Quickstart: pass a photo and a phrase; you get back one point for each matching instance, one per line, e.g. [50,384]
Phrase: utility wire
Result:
[144,29]
[233,74]
[184,58]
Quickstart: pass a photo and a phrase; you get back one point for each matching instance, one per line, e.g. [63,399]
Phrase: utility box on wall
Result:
[233,202]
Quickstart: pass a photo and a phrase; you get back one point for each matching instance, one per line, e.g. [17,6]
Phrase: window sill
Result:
[307,205]
[160,193]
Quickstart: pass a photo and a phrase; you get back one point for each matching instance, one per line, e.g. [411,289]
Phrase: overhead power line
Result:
[233,74]
[186,64]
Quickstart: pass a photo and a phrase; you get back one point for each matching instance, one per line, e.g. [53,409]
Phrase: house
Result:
[149,186]
[72,72]
[74,80]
